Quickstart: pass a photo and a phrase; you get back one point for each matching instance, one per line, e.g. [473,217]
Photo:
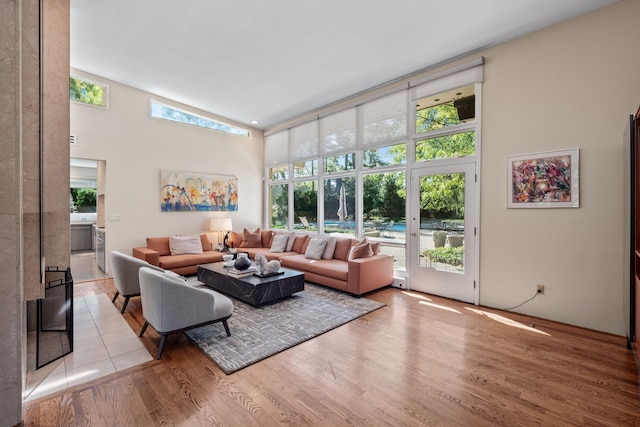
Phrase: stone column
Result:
[20,196]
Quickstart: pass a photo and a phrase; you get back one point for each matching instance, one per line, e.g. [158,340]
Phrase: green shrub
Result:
[449,255]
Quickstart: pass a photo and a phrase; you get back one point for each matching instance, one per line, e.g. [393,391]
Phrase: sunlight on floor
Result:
[441,307]
[497,317]
[506,321]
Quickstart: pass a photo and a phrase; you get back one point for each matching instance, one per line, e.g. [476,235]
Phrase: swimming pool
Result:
[351,225]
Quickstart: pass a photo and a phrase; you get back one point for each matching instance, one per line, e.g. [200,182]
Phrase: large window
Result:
[347,170]
[339,205]
[385,156]
[88,92]
[305,205]
[166,112]
[279,206]
[456,145]
[447,121]
[343,162]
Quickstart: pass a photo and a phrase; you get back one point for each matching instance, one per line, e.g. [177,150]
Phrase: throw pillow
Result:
[185,245]
[251,239]
[330,248]
[315,248]
[279,243]
[292,239]
[342,248]
[375,247]
[362,250]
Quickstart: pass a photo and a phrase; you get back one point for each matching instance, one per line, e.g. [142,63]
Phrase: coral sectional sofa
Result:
[185,261]
[348,264]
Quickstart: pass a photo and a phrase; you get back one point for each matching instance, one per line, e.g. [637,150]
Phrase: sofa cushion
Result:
[266,237]
[170,262]
[179,245]
[299,243]
[279,243]
[234,239]
[342,248]
[333,268]
[362,250]
[315,248]
[159,244]
[251,239]
[330,248]
[206,243]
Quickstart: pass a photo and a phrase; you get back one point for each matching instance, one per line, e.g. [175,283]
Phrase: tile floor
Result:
[84,266]
[103,343]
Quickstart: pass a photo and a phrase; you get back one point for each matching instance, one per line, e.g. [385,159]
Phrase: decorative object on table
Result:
[544,180]
[242,263]
[261,263]
[228,260]
[234,272]
[221,225]
[187,191]
[233,251]
[266,267]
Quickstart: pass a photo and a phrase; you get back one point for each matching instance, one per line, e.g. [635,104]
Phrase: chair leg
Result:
[115,296]
[124,306]
[144,328]
[226,327]
[163,338]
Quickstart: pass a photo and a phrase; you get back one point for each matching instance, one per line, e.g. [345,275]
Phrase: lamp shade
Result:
[220,224]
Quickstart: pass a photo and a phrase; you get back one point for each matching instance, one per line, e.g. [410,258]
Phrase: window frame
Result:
[244,132]
[93,82]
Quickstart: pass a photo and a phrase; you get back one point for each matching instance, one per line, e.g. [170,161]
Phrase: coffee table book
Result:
[242,273]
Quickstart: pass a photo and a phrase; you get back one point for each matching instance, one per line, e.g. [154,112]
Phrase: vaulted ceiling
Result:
[269,61]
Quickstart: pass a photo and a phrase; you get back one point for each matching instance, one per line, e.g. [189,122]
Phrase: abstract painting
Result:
[193,192]
[543,180]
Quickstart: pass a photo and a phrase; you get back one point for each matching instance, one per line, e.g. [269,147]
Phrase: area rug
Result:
[258,333]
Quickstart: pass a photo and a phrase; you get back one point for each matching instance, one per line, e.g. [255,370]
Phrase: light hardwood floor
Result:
[421,360]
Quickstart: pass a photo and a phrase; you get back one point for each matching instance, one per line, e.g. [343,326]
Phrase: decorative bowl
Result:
[227,258]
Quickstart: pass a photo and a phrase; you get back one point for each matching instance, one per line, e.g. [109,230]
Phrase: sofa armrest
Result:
[367,274]
[149,255]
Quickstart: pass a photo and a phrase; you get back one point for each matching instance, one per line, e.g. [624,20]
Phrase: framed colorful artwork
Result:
[544,180]
[193,192]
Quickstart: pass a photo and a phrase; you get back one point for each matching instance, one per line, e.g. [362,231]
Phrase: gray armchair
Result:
[169,305]
[125,276]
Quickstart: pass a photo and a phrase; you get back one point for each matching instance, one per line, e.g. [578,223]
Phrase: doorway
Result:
[443,247]
[86,201]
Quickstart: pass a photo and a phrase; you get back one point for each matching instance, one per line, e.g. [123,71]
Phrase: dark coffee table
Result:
[251,289]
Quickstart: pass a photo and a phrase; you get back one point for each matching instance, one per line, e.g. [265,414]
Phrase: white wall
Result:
[571,85]
[136,147]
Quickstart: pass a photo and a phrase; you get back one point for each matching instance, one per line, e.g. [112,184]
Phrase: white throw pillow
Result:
[292,239]
[315,248]
[330,248]
[279,243]
[179,245]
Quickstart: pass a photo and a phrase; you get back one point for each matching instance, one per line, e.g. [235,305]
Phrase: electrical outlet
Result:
[540,289]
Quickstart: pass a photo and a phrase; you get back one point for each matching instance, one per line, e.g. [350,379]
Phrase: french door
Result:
[442,235]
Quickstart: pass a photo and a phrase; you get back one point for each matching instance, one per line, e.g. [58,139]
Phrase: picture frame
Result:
[547,179]
[197,192]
